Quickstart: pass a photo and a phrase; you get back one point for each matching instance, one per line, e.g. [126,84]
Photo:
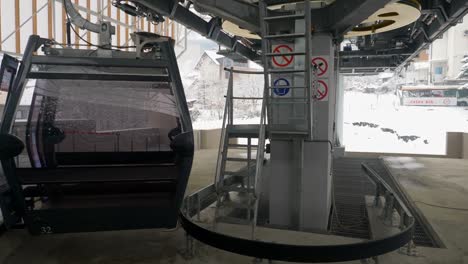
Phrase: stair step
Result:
[233,220]
[287,71]
[243,131]
[285,36]
[237,189]
[285,54]
[235,173]
[240,159]
[239,205]
[295,16]
[289,132]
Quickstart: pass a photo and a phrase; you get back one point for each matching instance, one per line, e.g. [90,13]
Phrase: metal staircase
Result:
[300,101]
[238,203]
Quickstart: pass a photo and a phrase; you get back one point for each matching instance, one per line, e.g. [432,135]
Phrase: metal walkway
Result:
[350,186]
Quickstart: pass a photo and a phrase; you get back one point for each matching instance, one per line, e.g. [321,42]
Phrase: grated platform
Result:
[350,186]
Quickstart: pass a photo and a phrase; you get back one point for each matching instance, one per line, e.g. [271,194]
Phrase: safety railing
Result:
[228,118]
[391,203]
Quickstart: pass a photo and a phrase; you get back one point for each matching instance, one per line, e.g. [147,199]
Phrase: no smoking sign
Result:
[321,66]
[282,61]
[321,93]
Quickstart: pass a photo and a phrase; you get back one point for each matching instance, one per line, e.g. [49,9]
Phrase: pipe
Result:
[78,20]
[68,33]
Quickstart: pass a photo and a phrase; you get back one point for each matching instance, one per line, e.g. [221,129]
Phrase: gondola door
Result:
[8,144]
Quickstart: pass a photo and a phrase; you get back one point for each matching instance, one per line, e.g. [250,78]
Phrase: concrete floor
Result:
[439,189]
[448,181]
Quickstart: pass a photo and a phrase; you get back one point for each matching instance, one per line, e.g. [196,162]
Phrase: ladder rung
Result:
[233,220]
[292,102]
[240,159]
[286,71]
[285,36]
[247,98]
[290,87]
[284,17]
[283,98]
[285,54]
[241,146]
[241,205]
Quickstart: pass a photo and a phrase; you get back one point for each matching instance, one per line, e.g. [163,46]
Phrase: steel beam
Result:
[240,13]
[447,16]
[369,62]
[211,30]
[337,18]
[348,14]
[375,53]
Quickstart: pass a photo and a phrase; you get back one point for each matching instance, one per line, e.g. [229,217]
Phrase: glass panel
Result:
[463,93]
[437,93]
[450,93]
[80,120]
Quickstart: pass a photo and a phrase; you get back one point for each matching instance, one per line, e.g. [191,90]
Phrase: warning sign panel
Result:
[320,64]
[282,61]
[281,86]
[321,93]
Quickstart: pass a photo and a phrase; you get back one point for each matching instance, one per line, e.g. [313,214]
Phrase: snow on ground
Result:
[430,124]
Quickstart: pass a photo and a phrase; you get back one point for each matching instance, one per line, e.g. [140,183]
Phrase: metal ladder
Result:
[306,98]
[238,203]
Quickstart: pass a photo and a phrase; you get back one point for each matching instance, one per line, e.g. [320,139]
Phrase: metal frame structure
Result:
[376,53]
[252,174]
[391,202]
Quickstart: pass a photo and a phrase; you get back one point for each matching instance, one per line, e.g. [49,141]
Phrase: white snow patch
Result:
[430,124]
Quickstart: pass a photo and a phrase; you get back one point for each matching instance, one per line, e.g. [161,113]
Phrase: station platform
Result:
[427,181]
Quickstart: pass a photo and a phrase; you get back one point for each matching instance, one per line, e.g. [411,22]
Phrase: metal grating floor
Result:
[350,186]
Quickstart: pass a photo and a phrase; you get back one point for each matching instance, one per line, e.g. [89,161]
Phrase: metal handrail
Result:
[246,98]
[226,116]
[260,156]
[232,70]
[382,188]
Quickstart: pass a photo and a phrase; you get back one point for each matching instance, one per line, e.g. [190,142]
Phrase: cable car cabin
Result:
[108,140]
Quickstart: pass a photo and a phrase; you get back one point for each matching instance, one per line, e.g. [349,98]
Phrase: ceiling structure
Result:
[387,33]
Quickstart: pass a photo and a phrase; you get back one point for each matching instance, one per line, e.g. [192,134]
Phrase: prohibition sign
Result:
[321,64]
[281,91]
[284,60]
[322,90]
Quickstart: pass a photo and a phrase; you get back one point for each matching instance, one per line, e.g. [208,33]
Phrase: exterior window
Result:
[450,93]
[437,93]
[463,93]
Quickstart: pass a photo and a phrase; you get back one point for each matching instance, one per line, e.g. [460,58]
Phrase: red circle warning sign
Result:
[283,60]
[321,64]
[322,90]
